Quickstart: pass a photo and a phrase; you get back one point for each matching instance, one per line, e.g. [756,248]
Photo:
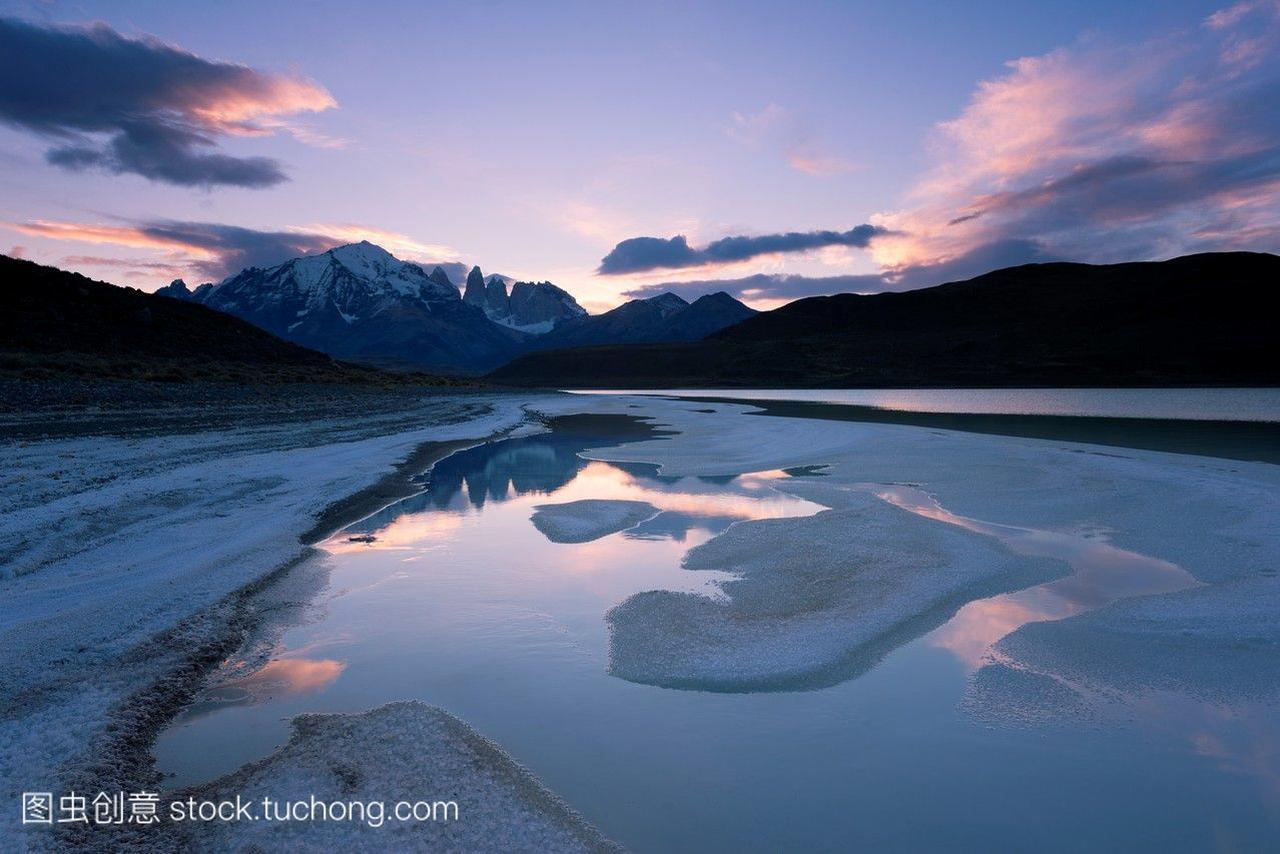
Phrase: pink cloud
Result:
[143,106]
[811,163]
[1100,150]
[780,131]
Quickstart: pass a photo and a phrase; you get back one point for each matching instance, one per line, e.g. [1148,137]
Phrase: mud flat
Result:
[816,599]
[1210,516]
[401,752]
[1219,643]
[589,519]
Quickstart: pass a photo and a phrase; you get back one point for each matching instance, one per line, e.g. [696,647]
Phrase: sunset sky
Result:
[612,148]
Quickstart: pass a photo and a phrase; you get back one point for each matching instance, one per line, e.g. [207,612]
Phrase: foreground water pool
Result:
[454,597]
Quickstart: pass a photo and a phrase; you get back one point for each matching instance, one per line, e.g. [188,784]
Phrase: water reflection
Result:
[676,525]
[494,471]
[461,603]
[503,471]
[1101,573]
[279,677]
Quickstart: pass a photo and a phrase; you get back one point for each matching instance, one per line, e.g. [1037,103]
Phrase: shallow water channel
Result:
[453,597]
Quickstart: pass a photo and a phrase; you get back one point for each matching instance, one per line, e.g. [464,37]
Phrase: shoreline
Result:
[117,712]
[1247,441]
[122,758]
[220,632]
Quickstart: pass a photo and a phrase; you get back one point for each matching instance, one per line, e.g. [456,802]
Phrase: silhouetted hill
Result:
[1199,319]
[663,318]
[56,322]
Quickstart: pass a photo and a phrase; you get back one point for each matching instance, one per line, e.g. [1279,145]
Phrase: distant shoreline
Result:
[1254,441]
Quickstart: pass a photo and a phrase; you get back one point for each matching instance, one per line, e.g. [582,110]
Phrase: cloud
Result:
[145,107]
[754,128]
[586,219]
[777,129]
[813,163]
[401,245]
[781,286]
[132,267]
[638,254]
[1103,152]
[1097,151]
[207,250]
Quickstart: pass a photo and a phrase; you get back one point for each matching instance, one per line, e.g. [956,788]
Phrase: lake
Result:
[455,598]
[1198,404]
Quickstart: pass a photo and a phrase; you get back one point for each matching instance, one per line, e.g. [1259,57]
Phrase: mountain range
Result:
[532,307]
[665,317]
[358,302]
[56,323]
[1199,319]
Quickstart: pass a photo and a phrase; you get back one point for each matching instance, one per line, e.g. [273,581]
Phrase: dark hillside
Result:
[53,322]
[1201,319]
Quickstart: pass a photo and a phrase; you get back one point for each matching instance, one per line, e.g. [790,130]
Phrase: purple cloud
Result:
[638,254]
[142,106]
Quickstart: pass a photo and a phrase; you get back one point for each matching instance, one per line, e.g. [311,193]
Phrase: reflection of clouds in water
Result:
[291,676]
[1242,739]
[280,677]
[675,525]
[549,465]
[1100,574]
[976,627]
[692,508]
[748,497]
[402,532]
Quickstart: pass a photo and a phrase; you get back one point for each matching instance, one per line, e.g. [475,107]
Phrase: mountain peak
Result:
[718,296]
[440,277]
[362,251]
[474,293]
[176,289]
[539,307]
[668,302]
[360,301]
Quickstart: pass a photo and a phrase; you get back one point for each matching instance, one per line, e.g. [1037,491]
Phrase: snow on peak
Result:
[360,267]
[354,281]
[363,257]
[667,302]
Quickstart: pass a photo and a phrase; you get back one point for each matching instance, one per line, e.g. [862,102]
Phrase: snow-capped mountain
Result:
[352,281]
[532,307]
[361,302]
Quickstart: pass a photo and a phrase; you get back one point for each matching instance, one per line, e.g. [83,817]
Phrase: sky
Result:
[621,149]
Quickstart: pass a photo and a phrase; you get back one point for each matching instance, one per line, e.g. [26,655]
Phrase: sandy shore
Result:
[132,559]
[476,797]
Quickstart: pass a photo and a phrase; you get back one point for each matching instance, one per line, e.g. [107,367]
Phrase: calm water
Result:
[462,603]
[1197,404]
